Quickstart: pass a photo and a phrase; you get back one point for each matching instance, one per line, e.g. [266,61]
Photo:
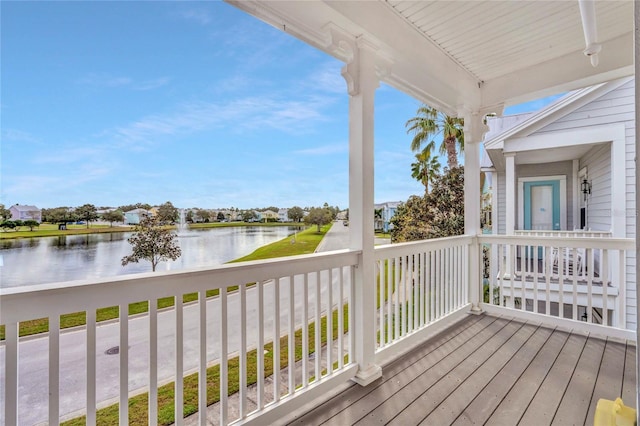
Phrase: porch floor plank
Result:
[490,370]
[488,399]
[574,406]
[610,376]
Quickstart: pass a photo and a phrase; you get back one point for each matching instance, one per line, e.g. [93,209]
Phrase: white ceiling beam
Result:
[563,74]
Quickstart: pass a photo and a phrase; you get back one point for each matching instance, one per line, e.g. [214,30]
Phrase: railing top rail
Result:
[37,301]
[399,249]
[561,241]
[556,231]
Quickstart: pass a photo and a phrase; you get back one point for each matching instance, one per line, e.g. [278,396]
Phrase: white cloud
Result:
[152,84]
[291,116]
[15,135]
[200,16]
[105,80]
[325,149]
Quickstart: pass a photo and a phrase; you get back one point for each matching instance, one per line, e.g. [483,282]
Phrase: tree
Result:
[18,223]
[438,214]
[319,217]
[5,214]
[8,224]
[152,242]
[129,207]
[31,223]
[220,216]
[203,215]
[113,216]
[296,214]
[58,215]
[249,216]
[429,123]
[189,216]
[167,213]
[87,212]
[425,169]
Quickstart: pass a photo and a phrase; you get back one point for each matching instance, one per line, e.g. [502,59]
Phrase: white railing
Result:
[418,284]
[579,279]
[578,233]
[245,315]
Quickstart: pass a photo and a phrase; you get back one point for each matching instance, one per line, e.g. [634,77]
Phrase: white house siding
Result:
[598,164]
[616,106]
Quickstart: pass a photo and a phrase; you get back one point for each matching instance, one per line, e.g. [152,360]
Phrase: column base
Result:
[476,310]
[368,376]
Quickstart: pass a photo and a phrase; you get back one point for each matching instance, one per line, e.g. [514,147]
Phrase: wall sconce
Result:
[586,188]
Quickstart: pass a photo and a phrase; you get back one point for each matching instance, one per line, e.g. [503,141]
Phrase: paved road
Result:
[33,352]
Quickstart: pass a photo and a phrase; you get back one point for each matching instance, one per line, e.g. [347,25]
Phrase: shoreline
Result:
[82,230]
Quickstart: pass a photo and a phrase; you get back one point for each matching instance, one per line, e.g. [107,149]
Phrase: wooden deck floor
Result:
[494,371]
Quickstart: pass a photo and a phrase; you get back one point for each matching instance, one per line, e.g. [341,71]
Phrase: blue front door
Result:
[542,205]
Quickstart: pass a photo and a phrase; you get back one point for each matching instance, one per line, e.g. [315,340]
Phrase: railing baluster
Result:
[153,362]
[91,366]
[352,317]
[317,328]
[330,323]
[202,365]
[292,338]
[179,384]
[589,254]
[54,370]
[421,283]
[340,318]
[305,331]
[276,339]
[381,287]
[536,270]
[548,269]
[224,359]
[575,286]
[604,267]
[389,299]
[260,348]
[622,290]
[124,361]
[410,298]
[243,352]
[559,261]
[11,373]
[396,304]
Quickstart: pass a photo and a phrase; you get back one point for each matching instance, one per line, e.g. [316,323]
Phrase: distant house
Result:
[383,222]
[269,216]
[283,215]
[24,212]
[133,217]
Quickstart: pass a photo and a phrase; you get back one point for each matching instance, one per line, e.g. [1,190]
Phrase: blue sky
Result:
[196,103]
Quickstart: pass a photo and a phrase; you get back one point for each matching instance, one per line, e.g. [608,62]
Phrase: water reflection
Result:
[74,257]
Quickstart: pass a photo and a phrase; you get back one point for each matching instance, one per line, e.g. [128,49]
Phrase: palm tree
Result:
[429,123]
[425,169]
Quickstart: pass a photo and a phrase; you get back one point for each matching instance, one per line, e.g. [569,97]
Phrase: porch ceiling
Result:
[477,54]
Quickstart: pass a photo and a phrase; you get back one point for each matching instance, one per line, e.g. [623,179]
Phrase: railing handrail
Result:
[576,242]
[43,300]
[559,231]
[400,249]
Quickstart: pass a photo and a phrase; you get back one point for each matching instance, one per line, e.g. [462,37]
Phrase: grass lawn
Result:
[51,230]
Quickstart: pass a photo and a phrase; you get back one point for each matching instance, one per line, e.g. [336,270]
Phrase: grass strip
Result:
[139,405]
[305,242]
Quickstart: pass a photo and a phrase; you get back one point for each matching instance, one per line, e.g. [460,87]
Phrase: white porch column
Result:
[636,14]
[474,129]
[510,193]
[362,82]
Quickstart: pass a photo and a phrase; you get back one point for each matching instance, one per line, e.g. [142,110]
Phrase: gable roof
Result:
[554,111]
[24,208]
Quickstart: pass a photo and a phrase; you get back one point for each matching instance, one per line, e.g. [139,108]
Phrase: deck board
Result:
[490,370]
[610,376]
[574,406]
[487,400]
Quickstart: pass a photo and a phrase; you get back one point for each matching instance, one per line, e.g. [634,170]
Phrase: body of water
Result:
[75,257]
